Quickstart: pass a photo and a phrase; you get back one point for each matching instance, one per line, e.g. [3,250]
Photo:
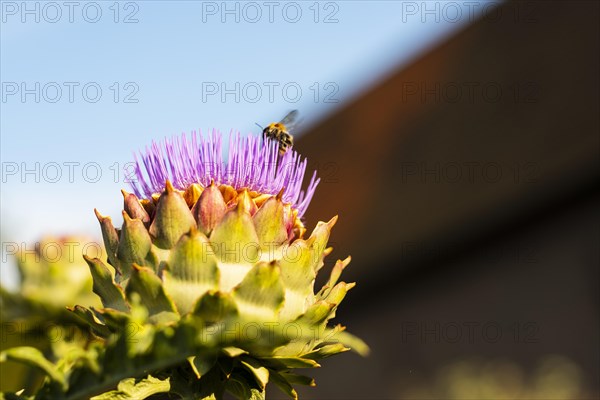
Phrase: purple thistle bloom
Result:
[252,162]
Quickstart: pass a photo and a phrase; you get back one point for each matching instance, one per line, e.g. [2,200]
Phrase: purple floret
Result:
[252,162]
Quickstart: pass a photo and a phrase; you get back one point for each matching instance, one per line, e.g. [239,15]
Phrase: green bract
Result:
[205,291]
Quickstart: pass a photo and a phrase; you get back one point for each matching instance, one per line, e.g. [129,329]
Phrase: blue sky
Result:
[85,85]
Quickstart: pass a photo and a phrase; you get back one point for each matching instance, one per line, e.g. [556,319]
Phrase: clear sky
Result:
[84,84]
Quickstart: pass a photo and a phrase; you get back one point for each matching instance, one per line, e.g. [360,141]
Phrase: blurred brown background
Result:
[466,185]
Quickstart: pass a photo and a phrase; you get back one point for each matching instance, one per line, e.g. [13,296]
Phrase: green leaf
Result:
[105,287]
[131,389]
[34,358]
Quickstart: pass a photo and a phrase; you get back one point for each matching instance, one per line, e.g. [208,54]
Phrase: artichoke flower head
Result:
[210,282]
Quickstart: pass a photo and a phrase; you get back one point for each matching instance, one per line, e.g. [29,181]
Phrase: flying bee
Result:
[279,131]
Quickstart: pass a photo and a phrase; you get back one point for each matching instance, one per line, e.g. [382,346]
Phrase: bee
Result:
[280,131]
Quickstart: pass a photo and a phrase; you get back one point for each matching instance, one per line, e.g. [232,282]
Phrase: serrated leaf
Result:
[130,389]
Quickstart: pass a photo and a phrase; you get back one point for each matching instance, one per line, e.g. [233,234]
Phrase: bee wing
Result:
[290,119]
[296,125]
